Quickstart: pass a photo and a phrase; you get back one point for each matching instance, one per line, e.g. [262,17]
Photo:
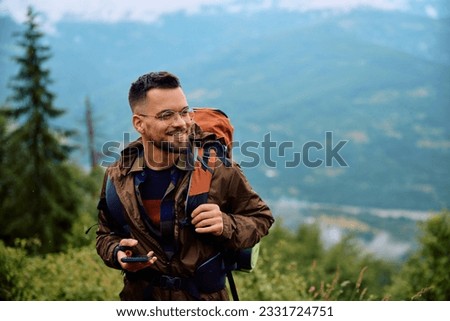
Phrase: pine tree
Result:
[41,200]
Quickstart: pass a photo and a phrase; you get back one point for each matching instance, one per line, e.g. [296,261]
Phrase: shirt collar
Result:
[184,162]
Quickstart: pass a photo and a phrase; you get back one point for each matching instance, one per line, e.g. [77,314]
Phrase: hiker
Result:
[144,203]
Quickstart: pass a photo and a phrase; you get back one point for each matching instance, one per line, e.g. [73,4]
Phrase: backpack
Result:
[215,122]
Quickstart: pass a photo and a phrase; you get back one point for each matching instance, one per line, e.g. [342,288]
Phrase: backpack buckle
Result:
[171,282]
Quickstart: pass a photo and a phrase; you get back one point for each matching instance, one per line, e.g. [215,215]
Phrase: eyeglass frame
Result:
[182,113]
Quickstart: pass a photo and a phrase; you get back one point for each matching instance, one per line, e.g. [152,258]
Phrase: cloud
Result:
[111,11]
[431,12]
[346,5]
[104,10]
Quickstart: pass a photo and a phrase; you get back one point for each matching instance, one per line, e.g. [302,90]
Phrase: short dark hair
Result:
[159,79]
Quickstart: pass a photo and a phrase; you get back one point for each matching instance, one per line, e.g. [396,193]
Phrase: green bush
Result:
[77,275]
[10,267]
[426,274]
[272,279]
[296,266]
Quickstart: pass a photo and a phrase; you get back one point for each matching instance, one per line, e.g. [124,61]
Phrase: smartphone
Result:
[134,259]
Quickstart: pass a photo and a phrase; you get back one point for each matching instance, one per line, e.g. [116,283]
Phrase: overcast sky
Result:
[150,11]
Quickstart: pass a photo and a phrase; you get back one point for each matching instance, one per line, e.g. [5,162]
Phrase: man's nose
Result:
[180,121]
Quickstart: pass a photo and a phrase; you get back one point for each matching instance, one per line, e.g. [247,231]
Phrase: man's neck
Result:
[157,159]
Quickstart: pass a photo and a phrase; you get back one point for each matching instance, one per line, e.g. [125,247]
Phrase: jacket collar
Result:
[132,159]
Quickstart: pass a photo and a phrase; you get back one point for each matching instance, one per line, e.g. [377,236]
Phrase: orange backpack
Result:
[215,121]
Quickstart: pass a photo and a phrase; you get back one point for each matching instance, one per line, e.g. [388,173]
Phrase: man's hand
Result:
[207,218]
[136,266]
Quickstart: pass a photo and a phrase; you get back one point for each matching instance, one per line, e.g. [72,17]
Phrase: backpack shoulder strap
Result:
[200,179]
[114,206]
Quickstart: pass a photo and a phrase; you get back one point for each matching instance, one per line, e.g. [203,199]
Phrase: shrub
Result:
[77,275]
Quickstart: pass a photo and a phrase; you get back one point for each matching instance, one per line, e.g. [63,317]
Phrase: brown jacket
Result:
[246,220]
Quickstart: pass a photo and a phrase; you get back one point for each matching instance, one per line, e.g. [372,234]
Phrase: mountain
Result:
[296,86]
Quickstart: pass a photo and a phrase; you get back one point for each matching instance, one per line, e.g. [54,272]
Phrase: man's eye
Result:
[166,115]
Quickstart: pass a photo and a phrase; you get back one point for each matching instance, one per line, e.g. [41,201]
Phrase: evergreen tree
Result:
[426,274]
[40,201]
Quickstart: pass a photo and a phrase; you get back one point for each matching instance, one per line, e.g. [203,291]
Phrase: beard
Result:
[172,147]
[179,144]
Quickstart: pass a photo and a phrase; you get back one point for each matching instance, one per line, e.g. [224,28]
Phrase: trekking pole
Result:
[232,286]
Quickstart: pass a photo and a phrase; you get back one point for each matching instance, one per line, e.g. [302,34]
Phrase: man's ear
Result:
[138,124]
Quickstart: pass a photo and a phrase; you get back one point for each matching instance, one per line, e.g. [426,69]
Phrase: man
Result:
[151,180]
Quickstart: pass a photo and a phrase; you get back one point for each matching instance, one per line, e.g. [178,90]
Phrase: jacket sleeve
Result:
[247,218]
[107,239]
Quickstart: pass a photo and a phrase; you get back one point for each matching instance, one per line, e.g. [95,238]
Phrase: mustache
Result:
[178,131]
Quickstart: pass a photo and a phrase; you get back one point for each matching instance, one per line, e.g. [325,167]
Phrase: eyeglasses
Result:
[169,114]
